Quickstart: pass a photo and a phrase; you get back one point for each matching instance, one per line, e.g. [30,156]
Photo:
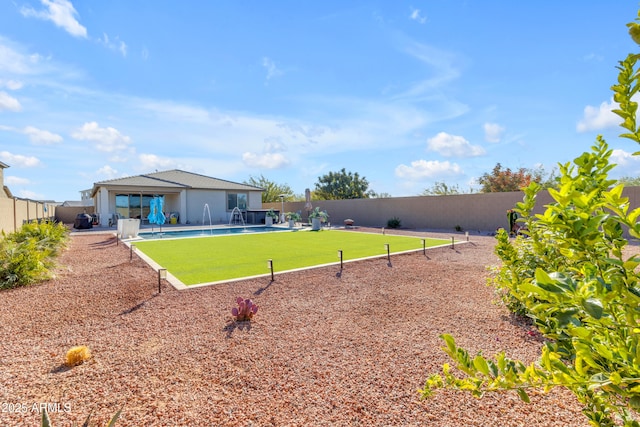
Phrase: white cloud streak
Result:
[272,69]
[115,45]
[427,169]
[9,103]
[265,160]
[39,136]
[493,132]
[61,13]
[417,16]
[11,84]
[14,180]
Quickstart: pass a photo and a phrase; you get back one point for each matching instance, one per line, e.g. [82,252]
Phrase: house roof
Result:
[3,165]
[175,179]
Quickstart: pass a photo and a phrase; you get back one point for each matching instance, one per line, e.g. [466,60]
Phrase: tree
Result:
[341,185]
[500,180]
[440,188]
[630,181]
[373,195]
[272,191]
[572,278]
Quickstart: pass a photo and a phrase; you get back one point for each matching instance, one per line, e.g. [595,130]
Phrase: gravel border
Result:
[327,347]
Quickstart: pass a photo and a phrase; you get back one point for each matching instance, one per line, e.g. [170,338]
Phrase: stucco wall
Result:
[68,214]
[14,212]
[472,212]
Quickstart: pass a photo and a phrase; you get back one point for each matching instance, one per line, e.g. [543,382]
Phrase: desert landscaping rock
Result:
[326,348]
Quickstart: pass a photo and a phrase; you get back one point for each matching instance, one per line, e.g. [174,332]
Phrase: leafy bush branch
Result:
[571,277]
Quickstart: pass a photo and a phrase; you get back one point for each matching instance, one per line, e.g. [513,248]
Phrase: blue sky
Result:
[406,93]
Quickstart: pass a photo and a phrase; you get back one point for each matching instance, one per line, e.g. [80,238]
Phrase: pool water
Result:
[218,231]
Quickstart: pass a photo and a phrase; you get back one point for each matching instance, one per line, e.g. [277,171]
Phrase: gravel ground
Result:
[327,348]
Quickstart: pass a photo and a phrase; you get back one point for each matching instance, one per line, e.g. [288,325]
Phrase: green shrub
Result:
[27,255]
[394,222]
[571,276]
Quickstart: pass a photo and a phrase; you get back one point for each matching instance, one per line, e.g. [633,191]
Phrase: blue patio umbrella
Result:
[156,216]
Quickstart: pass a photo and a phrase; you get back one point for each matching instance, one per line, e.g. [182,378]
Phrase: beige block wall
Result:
[68,214]
[472,212]
[14,212]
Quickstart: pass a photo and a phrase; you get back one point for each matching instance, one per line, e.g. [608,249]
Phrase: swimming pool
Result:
[217,231]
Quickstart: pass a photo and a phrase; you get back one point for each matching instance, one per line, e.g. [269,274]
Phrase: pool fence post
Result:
[162,274]
[270,267]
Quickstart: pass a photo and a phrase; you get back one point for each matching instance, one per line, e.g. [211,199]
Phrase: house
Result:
[4,190]
[185,196]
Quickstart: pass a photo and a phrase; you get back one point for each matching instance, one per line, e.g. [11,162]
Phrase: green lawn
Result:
[219,258]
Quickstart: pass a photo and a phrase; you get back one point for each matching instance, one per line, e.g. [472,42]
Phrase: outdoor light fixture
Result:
[452,246]
[162,274]
[424,247]
[340,256]
[270,267]
[466,234]
[132,249]
[386,246]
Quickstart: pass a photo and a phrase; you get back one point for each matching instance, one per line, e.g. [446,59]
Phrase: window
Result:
[133,205]
[237,200]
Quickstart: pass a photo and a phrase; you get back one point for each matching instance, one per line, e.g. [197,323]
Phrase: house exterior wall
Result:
[3,194]
[215,200]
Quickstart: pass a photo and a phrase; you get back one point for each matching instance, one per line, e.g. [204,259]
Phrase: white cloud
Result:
[39,136]
[265,161]
[27,194]
[626,163]
[453,146]
[16,60]
[493,132]
[19,160]
[153,162]
[107,171]
[596,118]
[442,69]
[423,169]
[416,16]
[14,180]
[61,13]
[11,84]
[117,44]
[9,103]
[272,69]
[108,139]
[593,57]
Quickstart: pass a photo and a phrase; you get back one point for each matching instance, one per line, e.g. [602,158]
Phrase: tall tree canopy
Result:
[440,188]
[341,185]
[272,191]
[501,180]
